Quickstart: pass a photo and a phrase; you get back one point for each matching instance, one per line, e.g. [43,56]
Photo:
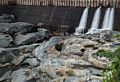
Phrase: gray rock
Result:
[41,51]
[12,28]
[106,36]
[57,63]
[4,71]
[6,57]
[41,24]
[24,48]
[32,62]
[21,75]
[5,76]
[32,37]
[5,40]
[115,44]
[44,32]
[94,80]
[20,58]
[73,79]
[75,44]
[16,55]
[47,68]
[26,39]
[5,18]
[95,71]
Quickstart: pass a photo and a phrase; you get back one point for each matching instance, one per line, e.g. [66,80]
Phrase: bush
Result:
[70,72]
[116,36]
[113,74]
[105,53]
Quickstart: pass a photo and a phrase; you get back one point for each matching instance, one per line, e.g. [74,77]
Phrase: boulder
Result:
[6,57]
[95,71]
[6,18]
[46,67]
[21,75]
[5,40]
[30,38]
[15,55]
[20,59]
[32,62]
[12,28]
[44,32]
[75,44]
[22,39]
[6,76]
[41,51]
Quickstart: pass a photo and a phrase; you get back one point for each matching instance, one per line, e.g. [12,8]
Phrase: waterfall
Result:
[95,22]
[106,20]
[82,25]
[111,19]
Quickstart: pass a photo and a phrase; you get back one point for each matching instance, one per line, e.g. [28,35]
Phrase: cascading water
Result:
[95,22]
[111,20]
[82,25]
[106,20]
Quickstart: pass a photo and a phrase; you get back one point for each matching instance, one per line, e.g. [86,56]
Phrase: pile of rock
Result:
[25,55]
[21,33]
[41,62]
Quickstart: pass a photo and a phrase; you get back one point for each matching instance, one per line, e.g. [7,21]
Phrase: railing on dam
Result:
[74,3]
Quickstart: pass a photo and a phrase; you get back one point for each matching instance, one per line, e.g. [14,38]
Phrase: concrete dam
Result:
[58,15]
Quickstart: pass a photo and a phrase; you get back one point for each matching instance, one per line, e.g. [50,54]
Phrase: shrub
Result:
[70,72]
[113,73]
[105,53]
[116,36]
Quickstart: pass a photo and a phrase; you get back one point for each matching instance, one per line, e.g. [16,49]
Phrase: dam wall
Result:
[56,16]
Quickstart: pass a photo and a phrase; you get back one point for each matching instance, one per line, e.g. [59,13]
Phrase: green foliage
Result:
[116,36]
[70,72]
[113,74]
[105,53]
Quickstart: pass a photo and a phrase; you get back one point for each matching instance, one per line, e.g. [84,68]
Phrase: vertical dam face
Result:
[78,19]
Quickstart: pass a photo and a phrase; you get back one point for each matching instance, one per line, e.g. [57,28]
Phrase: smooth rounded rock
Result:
[5,40]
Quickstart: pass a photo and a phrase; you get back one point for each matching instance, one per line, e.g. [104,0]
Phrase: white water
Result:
[105,25]
[111,20]
[95,22]
[82,25]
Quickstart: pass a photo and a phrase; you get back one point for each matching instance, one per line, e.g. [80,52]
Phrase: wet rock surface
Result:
[27,56]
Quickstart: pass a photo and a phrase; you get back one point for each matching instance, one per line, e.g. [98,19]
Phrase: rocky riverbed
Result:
[28,53]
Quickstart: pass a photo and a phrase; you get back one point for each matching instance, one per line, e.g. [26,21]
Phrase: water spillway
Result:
[107,22]
[95,22]
[106,19]
[83,22]
[111,19]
